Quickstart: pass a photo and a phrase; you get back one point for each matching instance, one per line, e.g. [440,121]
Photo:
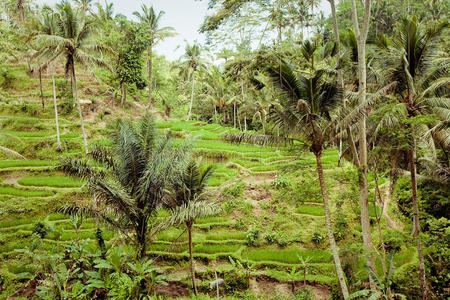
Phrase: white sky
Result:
[185,16]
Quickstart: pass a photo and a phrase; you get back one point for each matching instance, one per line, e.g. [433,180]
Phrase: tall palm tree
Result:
[152,20]
[85,4]
[412,61]
[191,61]
[73,40]
[306,113]
[190,201]
[132,179]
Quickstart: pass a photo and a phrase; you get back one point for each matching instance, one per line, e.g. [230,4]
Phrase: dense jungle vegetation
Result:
[293,155]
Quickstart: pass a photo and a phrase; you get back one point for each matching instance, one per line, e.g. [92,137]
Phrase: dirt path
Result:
[391,223]
[13,178]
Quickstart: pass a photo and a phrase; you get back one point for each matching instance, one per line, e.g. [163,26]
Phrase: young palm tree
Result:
[132,180]
[189,202]
[73,40]
[412,60]
[306,114]
[191,61]
[7,151]
[152,20]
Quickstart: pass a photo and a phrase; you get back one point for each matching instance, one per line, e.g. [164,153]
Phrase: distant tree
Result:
[133,179]
[151,19]
[190,62]
[74,40]
[130,68]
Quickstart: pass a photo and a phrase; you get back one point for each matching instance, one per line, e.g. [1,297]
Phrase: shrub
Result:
[270,237]
[281,182]
[40,229]
[252,237]
[235,190]
[317,238]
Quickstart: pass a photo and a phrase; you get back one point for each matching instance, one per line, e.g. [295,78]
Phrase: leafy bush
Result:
[40,229]
[235,190]
[252,237]
[317,238]
[270,237]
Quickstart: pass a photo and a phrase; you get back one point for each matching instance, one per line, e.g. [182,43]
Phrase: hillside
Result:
[273,216]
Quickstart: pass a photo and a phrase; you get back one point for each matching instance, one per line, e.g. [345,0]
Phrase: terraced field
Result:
[262,225]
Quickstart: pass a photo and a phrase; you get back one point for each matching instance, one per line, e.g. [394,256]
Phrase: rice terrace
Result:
[224,149]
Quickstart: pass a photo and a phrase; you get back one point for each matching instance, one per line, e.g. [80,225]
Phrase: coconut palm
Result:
[412,60]
[132,179]
[191,61]
[73,40]
[306,113]
[189,201]
[150,18]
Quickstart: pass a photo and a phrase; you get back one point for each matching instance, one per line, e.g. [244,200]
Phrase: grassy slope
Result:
[30,189]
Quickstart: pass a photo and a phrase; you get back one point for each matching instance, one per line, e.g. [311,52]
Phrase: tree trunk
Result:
[361,37]
[192,96]
[124,92]
[40,87]
[189,225]
[150,79]
[141,235]
[416,232]
[234,114]
[21,11]
[80,113]
[334,250]
[340,76]
[58,139]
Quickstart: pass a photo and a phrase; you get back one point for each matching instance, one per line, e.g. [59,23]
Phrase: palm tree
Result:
[306,113]
[132,179]
[152,20]
[411,61]
[85,4]
[73,40]
[190,62]
[190,201]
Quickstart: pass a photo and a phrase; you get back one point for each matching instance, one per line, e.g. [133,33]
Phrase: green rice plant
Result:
[26,163]
[289,256]
[210,220]
[8,190]
[169,234]
[216,248]
[225,235]
[172,248]
[310,210]
[54,181]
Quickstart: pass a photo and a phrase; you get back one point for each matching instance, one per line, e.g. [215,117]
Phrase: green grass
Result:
[7,190]
[310,210]
[54,181]
[225,235]
[212,220]
[289,256]
[216,248]
[26,163]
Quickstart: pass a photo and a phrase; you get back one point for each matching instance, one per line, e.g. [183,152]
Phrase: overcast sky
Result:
[185,16]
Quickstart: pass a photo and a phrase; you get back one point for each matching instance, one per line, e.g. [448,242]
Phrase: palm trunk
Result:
[341,84]
[361,37]
[189,226]
[334,250]
[192,96]
[141,232]
[416,232]
[80,113]
[58,140]
[234,114]
[150,79]
[40,87]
